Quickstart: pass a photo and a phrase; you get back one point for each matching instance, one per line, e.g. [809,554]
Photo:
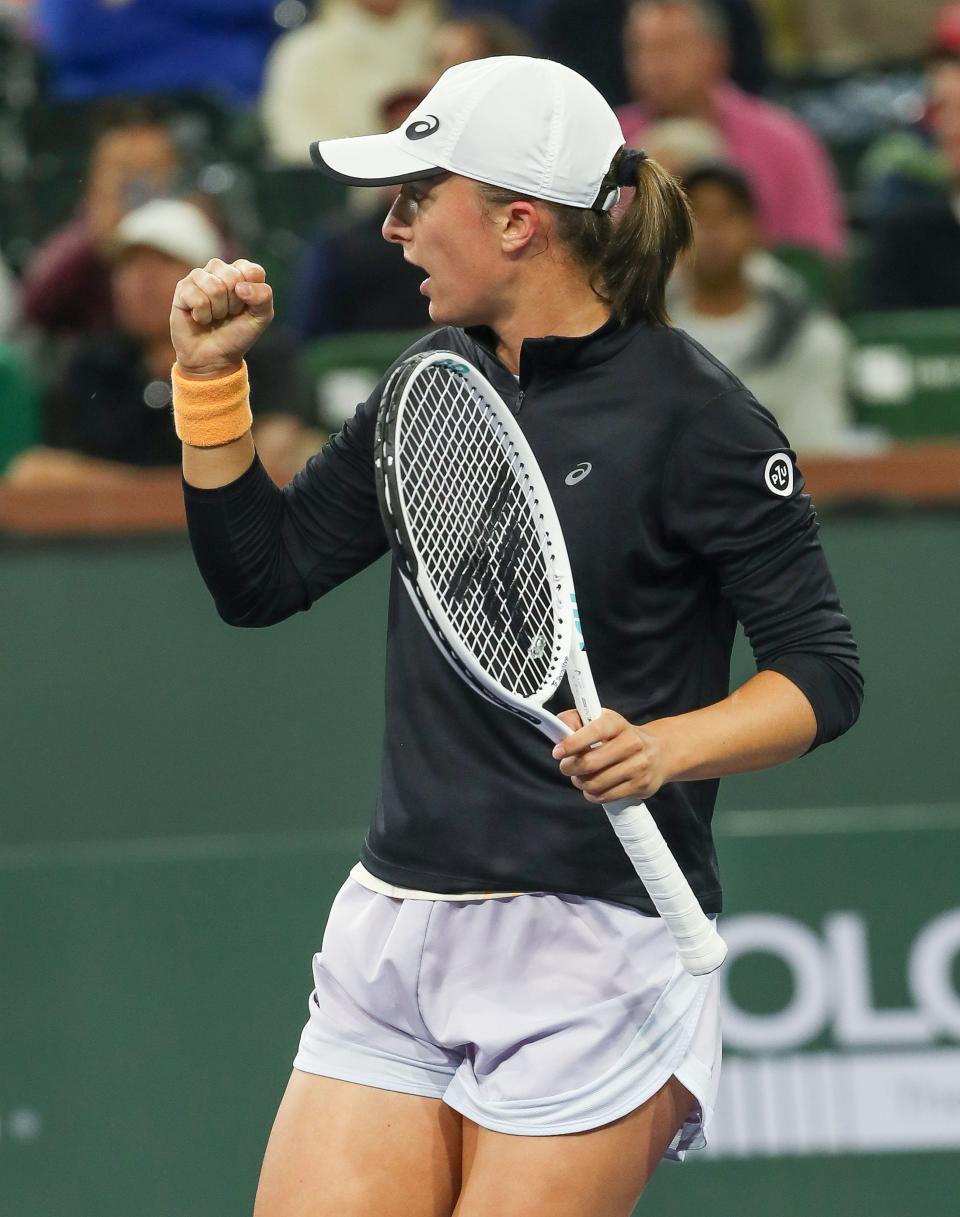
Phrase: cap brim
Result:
[370,160]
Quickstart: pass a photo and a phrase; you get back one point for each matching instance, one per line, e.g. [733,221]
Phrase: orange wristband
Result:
[208,413]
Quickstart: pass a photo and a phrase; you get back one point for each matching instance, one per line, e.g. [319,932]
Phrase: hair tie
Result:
[622,172]
[627,169]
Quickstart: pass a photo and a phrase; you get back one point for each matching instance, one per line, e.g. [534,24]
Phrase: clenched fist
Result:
[218,313]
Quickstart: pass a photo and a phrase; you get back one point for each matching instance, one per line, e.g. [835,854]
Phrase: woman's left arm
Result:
[733,497]
[766,721]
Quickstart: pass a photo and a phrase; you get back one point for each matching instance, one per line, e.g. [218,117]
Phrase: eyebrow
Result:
[423,185]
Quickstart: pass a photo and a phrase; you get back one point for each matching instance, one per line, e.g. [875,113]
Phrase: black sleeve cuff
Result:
[832,684]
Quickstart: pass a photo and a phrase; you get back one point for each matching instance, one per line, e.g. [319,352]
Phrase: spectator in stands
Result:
[67,282]
[756,319]
[475,35]
[915,240]
[110,49]
[326,79]
[906,164]
[915,259]
[112,400]
[676,57]
[587,35]
[347,280]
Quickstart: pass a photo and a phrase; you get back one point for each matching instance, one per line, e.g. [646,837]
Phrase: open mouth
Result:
[426,280]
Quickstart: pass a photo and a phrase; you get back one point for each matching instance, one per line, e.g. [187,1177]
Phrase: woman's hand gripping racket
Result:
[478,543]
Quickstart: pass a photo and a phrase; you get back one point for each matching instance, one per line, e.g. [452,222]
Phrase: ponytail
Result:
[631,256]
[645,242]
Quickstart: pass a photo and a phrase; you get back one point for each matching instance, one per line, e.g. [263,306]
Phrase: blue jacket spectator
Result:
[349,279]
[101,50]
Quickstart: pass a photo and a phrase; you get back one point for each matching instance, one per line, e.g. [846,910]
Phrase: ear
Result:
[522,227]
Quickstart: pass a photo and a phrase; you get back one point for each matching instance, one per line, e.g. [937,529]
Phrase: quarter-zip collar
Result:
[555,353]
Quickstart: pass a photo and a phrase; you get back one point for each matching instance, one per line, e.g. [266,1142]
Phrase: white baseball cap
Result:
[172,226]
[530,125]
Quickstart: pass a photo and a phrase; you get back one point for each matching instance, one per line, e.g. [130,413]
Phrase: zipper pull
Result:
[519,401]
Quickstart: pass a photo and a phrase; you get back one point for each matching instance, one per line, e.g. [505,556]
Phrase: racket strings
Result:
[467,507]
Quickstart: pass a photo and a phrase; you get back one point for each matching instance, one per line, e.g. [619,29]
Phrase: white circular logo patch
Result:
[779,475]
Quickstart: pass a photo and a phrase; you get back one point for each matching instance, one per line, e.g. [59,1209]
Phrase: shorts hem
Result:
[680,1062]
[696,1139]
[343,1074]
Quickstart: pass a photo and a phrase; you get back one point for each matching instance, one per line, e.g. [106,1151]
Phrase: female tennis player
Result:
[499,1023]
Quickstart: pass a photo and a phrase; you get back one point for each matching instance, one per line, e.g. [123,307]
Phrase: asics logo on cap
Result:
[423,127]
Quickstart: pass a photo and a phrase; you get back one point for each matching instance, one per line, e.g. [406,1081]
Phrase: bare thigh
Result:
[599,1173]
[339,1149]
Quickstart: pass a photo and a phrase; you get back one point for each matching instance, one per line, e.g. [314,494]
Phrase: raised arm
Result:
[264,553]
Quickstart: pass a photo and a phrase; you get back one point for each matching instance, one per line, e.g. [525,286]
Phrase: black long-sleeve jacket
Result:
[683,511]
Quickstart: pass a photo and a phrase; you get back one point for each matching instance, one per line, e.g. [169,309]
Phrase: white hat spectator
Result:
[173,227]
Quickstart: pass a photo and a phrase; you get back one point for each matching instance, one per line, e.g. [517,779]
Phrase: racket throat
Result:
[584,691]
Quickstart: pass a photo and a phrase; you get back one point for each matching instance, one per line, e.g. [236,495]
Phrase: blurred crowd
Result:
[819,144]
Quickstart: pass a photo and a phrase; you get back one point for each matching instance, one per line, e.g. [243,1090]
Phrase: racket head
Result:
[474,532]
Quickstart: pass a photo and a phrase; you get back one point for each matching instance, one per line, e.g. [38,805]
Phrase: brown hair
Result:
[630,256]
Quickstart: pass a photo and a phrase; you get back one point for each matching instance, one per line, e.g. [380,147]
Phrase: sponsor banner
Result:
[833,1102]
[828,1068]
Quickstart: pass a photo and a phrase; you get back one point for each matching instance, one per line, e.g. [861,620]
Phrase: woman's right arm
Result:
[218,313]
[264,553]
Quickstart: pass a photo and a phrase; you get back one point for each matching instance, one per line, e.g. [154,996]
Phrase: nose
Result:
[396,227]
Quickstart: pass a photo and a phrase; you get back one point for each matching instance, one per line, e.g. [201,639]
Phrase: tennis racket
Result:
[478,544]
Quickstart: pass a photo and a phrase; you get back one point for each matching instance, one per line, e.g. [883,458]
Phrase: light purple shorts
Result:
[536,1014]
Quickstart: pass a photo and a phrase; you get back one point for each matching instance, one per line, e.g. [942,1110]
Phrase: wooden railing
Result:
[144,502]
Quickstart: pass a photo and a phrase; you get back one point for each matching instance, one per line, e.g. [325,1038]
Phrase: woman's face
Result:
[726,234]
[444,229]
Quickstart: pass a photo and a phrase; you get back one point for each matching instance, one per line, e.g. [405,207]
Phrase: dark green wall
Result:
[182,800]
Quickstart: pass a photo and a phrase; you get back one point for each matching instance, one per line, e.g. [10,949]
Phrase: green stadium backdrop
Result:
[182,801]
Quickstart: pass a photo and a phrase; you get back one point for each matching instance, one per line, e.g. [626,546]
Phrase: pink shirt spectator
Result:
[797,193]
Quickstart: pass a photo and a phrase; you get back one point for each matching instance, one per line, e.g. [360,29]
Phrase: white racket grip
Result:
[700,947]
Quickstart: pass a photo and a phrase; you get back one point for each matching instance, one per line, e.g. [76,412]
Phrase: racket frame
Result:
[390,488]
